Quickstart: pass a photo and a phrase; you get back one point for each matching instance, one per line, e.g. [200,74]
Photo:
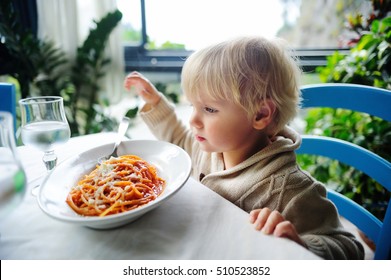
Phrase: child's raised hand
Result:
[272,222]
[144,88]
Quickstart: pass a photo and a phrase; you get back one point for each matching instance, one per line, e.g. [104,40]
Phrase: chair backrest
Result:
[8,99]
[366,99]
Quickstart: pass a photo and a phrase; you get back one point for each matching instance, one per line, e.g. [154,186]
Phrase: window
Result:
[131,21]
[160,34]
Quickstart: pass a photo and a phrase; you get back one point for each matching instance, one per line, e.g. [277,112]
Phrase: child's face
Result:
[220,126]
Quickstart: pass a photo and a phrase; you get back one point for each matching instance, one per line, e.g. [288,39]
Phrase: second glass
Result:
[12,175]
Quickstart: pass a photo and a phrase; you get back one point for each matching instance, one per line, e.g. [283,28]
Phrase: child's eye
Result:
[210,110]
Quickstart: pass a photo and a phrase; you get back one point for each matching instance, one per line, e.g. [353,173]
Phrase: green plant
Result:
[87,113]
[367,63]
[167,45]
[42,69]
[31,61]
[171,95]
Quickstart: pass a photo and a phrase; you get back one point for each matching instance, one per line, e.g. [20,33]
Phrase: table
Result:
[195,224]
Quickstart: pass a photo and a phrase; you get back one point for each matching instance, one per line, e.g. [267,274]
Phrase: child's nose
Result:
[195,121]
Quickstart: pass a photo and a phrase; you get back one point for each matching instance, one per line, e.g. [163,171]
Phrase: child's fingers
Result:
[272,221]
[287,230]
[134,79]
[253,215]
[262,218]
[143,87]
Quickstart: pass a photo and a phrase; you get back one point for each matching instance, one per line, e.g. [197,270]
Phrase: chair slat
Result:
[8,100]
[366,161]
[366,99]
[361,217]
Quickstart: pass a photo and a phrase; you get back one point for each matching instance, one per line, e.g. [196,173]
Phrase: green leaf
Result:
[132,113]
[375,26]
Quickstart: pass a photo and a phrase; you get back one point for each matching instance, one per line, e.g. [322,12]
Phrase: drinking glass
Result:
[12,176]
[44,125]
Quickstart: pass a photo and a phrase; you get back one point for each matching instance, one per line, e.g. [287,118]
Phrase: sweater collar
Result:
[287,140]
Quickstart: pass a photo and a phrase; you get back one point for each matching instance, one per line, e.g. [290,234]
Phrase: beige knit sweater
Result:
[270,178]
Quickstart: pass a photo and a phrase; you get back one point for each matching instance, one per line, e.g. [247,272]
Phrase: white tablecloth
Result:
[195,223]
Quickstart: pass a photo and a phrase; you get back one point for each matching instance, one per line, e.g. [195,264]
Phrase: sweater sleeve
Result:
[165,125]
[317,221]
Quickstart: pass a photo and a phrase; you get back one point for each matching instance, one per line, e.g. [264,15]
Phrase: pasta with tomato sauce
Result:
[117,185]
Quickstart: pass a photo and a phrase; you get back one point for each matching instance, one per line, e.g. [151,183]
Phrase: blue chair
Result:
[8,99]
[376,102]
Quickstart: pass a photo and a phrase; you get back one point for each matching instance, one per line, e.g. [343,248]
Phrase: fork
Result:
[123,127]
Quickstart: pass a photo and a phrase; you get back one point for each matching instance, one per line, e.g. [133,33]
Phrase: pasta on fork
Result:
[117,185]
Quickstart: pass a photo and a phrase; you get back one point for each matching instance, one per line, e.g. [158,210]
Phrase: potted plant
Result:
[42,69]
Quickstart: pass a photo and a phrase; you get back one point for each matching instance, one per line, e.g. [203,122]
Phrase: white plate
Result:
[172,163]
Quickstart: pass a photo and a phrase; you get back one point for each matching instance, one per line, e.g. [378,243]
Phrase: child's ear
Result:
[264,115]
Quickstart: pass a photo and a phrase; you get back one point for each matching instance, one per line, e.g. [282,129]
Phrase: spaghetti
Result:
[117,185]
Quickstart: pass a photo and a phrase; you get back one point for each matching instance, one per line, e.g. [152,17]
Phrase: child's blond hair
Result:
[247,70]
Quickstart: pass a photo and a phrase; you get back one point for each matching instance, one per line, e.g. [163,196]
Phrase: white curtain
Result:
[67,24]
